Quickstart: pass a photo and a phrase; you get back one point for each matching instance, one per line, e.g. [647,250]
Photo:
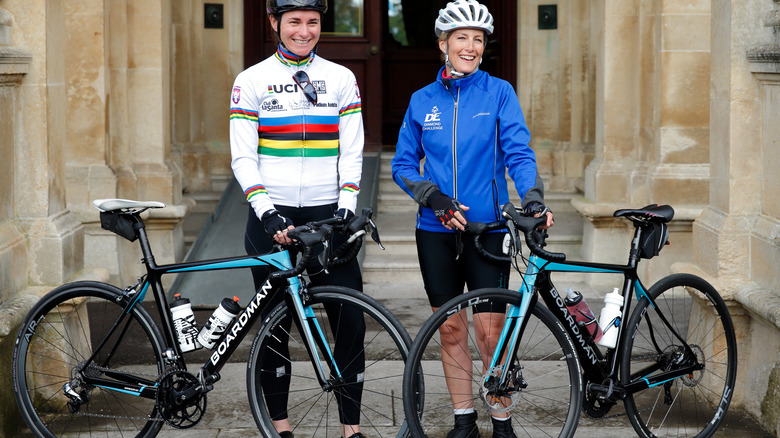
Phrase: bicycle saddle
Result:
[654,213]
[121,204]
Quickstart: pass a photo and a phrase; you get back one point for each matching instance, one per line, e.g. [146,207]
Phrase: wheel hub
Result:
[501,400]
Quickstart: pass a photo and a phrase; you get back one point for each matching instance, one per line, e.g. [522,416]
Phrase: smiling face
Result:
[466,47]
[300,30]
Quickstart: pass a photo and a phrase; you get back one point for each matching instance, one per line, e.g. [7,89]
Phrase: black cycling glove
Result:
[535,207]
[443,206]
[344,213]
[274,222]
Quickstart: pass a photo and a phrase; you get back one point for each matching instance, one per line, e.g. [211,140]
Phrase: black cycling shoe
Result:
[465,426]
[357,435]
[503,429]
[286,434]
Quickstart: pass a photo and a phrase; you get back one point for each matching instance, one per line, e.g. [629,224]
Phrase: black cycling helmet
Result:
[278,7]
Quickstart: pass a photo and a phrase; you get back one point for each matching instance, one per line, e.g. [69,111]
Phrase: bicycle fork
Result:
[313,337]
[503,380]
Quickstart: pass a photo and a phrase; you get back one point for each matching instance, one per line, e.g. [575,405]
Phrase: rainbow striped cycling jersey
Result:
[288,151]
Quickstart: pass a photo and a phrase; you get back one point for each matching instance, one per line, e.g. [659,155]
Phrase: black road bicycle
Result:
[673,366]
[90,359]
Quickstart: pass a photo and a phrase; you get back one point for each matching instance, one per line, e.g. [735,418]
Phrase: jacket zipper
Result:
[455,147]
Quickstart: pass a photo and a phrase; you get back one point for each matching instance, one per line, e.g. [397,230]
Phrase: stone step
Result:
[388,185]
[399,259]
[395,202]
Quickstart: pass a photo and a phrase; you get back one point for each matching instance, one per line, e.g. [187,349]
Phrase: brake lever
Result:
[324,255]
[375,234]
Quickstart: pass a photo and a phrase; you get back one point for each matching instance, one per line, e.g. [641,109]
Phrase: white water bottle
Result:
[609,319]
[218,322]
[184,324]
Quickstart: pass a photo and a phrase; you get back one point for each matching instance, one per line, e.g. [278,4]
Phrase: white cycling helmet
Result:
[464,13]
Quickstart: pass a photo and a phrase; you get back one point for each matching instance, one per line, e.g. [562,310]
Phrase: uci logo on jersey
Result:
[319,88]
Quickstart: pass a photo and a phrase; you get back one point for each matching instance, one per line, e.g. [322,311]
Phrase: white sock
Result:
[502,418]
[464,411]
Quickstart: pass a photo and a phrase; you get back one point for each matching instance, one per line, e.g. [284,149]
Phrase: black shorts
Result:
[444,276]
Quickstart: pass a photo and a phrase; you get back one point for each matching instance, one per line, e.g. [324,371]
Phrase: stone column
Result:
[138,48]
[652,125]
[14,66]
[679,119]
[734,240]
[54,236]
[608,178]
[40,240]
[763,296]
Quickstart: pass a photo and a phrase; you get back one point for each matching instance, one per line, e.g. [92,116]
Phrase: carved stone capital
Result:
[14,64]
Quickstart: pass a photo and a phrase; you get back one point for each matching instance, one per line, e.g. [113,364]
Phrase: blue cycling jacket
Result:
[469,131]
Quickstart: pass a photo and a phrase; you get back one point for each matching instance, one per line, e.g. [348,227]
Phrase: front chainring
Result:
[181,405]
[595,407]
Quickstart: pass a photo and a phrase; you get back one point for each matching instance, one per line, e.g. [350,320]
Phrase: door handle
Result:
[373,50]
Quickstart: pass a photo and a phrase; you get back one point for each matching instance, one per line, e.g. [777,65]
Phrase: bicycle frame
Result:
[597,366]
[231,338]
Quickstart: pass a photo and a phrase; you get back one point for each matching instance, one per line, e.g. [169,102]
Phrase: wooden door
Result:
[351,36]
[392,51]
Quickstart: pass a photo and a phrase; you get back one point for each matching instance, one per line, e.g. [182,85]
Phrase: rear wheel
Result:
[543,394]
[370,347]
[692,405]
[59,334]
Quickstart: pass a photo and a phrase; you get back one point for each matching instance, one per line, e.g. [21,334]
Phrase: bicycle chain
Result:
[119,417]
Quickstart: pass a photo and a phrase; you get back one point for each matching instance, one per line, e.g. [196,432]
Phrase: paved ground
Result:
[228,414]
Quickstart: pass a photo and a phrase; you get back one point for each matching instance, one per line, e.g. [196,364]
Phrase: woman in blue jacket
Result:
[470,129]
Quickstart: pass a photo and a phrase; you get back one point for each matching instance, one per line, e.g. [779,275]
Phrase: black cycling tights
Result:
[347,324]
[445,273]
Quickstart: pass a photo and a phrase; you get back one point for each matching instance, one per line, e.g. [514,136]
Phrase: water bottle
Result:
[184,324]
[218,322]
[609,320]
[578,308]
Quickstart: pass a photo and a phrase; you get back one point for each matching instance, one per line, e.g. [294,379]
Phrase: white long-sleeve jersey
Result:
[288,151]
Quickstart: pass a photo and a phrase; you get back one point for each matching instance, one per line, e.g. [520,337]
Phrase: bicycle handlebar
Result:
[310,236]
[526,224]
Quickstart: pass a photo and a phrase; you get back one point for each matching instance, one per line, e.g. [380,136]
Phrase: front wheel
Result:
[55,383]
[370,347]
[542,391]
[687,325]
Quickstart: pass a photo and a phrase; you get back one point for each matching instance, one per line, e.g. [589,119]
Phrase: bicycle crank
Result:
[181,399]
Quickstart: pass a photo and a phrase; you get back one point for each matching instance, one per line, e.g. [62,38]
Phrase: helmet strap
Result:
[454,73]
[279,35]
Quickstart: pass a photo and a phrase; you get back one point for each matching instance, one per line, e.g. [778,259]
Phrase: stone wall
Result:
[555,86]
[205,61]
[735,240]
[630,102]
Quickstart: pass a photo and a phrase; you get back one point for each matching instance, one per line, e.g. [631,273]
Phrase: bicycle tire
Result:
[548,406]
[694,404]
[312,410]
[57,335]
